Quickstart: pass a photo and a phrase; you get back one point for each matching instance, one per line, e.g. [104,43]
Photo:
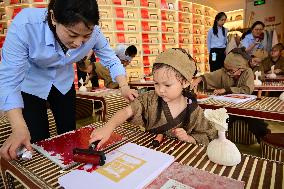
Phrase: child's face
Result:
[167,85]
[275,53]
[234,72]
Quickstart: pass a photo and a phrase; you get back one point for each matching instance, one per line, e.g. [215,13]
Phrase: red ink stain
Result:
[89,170]
[63,145]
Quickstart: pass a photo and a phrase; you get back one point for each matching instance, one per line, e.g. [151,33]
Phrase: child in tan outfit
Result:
[170,109]
[276,59]
[235,77]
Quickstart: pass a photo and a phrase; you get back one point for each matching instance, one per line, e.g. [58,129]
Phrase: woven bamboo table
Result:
[268,108]
[40,172]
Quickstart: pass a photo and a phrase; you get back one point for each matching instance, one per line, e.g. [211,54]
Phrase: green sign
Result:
[259,2]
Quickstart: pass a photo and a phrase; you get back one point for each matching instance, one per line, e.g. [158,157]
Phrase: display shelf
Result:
[185,17]
[235,19]
[151,38]
[150,25]
[150,14]
[185,6]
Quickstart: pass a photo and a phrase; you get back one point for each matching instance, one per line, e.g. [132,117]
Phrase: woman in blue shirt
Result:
[37,66]
[253,39]
[217,42]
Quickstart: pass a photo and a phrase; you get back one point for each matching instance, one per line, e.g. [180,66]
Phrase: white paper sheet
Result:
[129,167]
[235,98]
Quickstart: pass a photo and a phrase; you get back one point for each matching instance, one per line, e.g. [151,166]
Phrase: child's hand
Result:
[277,71]
[219,91]
[195,82]
[181,134]
[101,134]
[255,62]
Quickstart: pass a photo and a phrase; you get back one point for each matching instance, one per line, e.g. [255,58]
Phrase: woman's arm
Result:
[248,44]
[111,61]
[209,35]
[12,73]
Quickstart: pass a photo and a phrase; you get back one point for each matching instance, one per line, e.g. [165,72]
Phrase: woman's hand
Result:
[128,94]
[182,135]
[101,134]
[20,137]
[219,91]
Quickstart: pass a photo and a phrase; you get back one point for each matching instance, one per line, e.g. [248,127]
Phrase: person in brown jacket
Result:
[96,71]
[236,77]
[276,59]
[171,109]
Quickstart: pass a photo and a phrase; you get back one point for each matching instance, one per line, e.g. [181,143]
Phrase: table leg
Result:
[259,94]
[10,172]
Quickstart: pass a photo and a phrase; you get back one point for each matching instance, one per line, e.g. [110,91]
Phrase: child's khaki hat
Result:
[236,59]
[179,61]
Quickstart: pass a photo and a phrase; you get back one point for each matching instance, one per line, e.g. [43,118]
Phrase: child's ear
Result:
[185,84]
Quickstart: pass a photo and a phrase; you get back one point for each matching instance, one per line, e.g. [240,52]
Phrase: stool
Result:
[84,108]
[238,132]
[272,147]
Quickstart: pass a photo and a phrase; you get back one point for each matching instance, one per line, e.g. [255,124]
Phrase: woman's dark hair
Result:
[186,92]
[70,12]
[215,25]
[257,23]
[252,27]
[131,50]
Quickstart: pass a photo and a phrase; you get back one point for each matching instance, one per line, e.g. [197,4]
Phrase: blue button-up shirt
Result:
[216,42]
[33,61]
[248,40]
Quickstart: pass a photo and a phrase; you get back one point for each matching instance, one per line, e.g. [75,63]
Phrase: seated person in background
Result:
[84,67]
[275,58]
[125,53]
[235,77]
[171,108]
[96,71]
